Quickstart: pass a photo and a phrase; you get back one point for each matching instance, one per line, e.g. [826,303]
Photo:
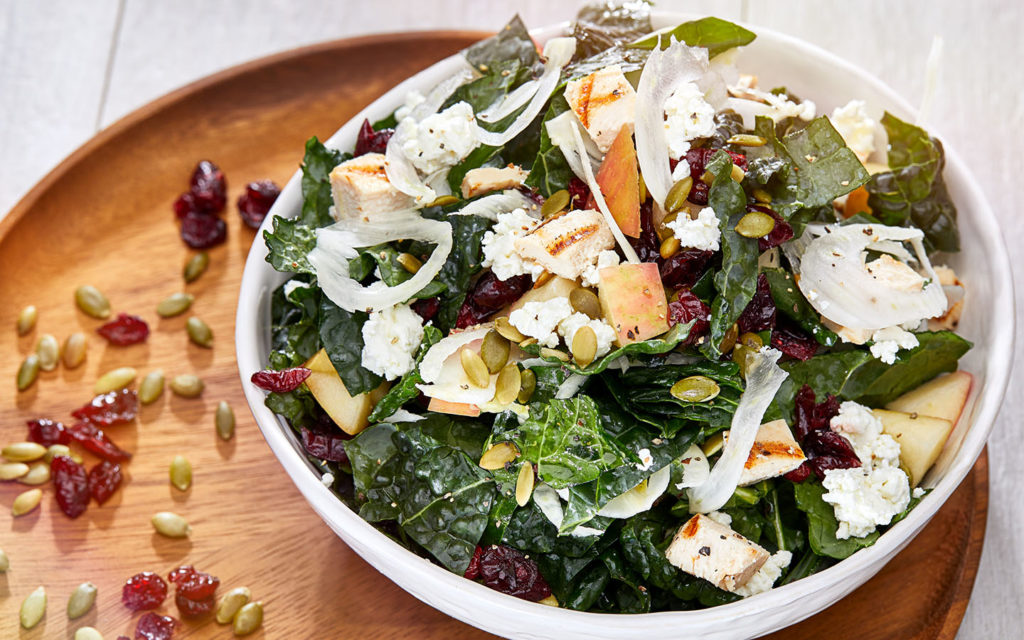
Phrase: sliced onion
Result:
[764,377]
[835,279]
[571,385]
[547,500]
[695,468]
[640,498]
[337,244]
[490,206]
[559,131]
[437,96]
[434,359]
[438,182]
[401,415]
[558,52]
[400,171]
[442,368]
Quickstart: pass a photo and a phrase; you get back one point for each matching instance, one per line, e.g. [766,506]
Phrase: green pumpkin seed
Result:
[92,302]
[729,339]
[409,262]
[175,304]
[524,484]
[677,195]
[23,451]
[529,342]
[231,602]
[187,385]
[199,332]
[554,353]
[87,633]
[498,455]
[74,350]
[747,140]
[224,420]
[81,600]
[494,351]
[12,470]
[248,619]
[48,350]
[181,473]
[528,384]
[584,346]
[443,201]
[38,473]
[151,387]
[196,266]
[475,368]
[5,562]
[55,450]
[737,174]
[33,607]
[669,247]
[508,384]
[27,319]
[695,389]
[26,502]
[755,224]
[762,196]
[115,380]
[559,200]
[506,330]
[586,302]
[751,341]
[171,525]
[28,371]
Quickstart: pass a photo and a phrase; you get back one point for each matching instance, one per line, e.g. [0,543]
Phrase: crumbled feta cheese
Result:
[702,233]
[721,518]
[681,171]
[888,341]
[646,459]
[327,479]
[917,493]
[779,106]
[390,338]
[766,576]
[413,99]
[863,429]
[568,327]
[592,275]
[499,246]
[687,116]
[441,140]
[856,127]
[540,319]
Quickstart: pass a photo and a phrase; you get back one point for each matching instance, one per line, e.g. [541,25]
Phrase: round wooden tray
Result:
[104,217]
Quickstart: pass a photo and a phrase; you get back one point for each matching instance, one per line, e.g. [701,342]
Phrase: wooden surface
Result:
[104,218]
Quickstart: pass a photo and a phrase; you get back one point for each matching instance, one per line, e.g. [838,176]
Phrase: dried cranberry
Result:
[280,381]
[209,187]
[793,342]
[810,416]
[473,570]
[579,193]
[427,308]
[201,231]
[254,204]
[185,204]
[72,485]
[145,590]
[124,330]
[826,449]
[698,160]
[799,474]
[154,626]
[488,295]
[687,307]
[47,432]
[370,141]
[699,193]
[97,443]
[104,479]
[685,267]
[782,232]
[509,571]
[648,244]
[194,608]
[759,315]
[325,446]
[193,584]
[115,407]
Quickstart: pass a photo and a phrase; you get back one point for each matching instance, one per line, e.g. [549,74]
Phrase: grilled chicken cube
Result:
[604,102]
[893,274]
[774,453]
[567,244]
[486,179]
[716,553]
[361,188]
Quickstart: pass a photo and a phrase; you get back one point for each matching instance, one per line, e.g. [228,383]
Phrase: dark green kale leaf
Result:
[809,564]
[392,273]
[341,334]
[550,172]
[822,524]
[405,390]
[513,42]
[482,156]
[875,383]
[792,304]
[714,34]
[643,540]
[826,374]
[316,187]
[654,346]
[602,25]
[629,595]
[294,335]
[298,407]
[530,530]
[549,379]
[463,263]
[630,61]
[289,244]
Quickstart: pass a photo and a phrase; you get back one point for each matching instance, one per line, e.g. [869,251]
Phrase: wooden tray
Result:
[104,217]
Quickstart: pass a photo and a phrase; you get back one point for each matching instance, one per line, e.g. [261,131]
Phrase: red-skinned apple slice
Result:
[633,301]
[619,179]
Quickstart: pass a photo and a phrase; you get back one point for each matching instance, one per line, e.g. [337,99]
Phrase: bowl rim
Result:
[416,571]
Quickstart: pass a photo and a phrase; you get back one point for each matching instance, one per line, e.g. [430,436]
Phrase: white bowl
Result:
[983,265]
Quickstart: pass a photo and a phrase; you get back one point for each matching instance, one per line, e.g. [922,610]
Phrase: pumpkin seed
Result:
[529,342]
[231,602]
[729,339]
[23,451]
[554,353]
[224,420]
[74,349]
[737,174]
[751,341]
[713,444]
[586,302]
[762,196]
[559,200]
[642,187]
[551,601]
[677,195]
[33,607]
[443,201]
[695,389]
[494,351]
[506,330]
[746,140]
[669,247]
[528,384]
[38,473]
[755,224]
[409,262]
[171,525]
[151,387]
[26,502]
[196,266]
[28,371]
[27,319]
[55,450]
[498,455]
[87,633]
[5,562]
[543,279]
[508,385]
[12,470]
[181,473]
[475,368]
[584,346]
[92,302]
[48,350]
[81,600]
[199,332]
[707,177]
[248,619]
[175,304]
[115,380]
[187,385]
[524,484]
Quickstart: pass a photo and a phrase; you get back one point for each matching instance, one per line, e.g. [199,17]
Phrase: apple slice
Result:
[921,439]
[633,301]
[943,397]
[619,180]
[453,408]
[349,413]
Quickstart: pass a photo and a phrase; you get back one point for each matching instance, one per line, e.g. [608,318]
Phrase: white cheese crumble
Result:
[540,319]
[888,341]
[917,493]
[646,459]
[856,127]
[441,140]
[721,518]
[779,106]
[681,171]
[327,479]
[702,233]
[499,246]
[687,116]
[568,327]
[766,576]
[591,276]
[390,338]
[413,99]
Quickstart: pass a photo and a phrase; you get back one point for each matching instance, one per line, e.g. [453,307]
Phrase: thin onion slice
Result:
[549,502]
[337,244]
[559,131]
[437,96]
[764,377]
[490,206]
[442,368]
[640,498]
[434,359]
[400,171]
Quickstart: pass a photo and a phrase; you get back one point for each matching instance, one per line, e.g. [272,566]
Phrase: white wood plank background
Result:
[70,68]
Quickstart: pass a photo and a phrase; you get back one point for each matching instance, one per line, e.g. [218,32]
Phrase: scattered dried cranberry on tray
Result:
[47,432]
[154,626]
[194,591]
[198,207]
[71,484]
[209,187]
[107,409]
[124,330]
[202,231]
[280,381]
[97,443]
[254,204]
[145,590]
[104,479]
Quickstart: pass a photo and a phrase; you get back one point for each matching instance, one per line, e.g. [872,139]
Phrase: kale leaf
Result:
[550,172]
[822,524]
[600,26]
[792,304]
[294,336]
[875,383]
[316,187]
[341,334]
[463,263]
[714,34]
[513,42]
[289,244]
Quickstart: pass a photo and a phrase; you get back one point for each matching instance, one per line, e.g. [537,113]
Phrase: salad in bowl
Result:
[612,325]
